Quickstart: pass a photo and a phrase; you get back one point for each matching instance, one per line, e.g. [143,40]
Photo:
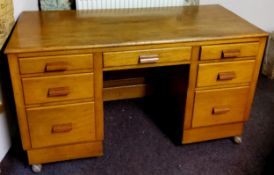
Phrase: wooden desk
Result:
[57,60]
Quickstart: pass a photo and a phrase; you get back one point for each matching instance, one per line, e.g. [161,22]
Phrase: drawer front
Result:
[229,51]
[64,124]
[213,107]
[55,63]
[141,57]
[58,88]
[225,73]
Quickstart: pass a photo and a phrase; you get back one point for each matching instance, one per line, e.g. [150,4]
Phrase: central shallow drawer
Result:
[55,63]
[225,73]
[212,107]
[64,124]
[143,57]
[58,88]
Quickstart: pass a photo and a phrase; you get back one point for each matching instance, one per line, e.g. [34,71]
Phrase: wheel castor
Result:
[237,139]
[36,168]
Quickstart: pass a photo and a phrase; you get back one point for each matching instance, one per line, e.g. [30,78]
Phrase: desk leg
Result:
[98,91]
[191,88]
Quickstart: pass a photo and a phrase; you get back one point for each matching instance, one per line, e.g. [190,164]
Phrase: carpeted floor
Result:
[134,145]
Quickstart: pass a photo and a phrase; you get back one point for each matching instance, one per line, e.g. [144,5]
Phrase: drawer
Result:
[225,73]
[229,51]
[212,107]
[58,88]
[152,56]
[64,124]
[55,63]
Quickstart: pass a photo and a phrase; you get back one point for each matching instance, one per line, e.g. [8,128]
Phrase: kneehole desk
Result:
[64,64]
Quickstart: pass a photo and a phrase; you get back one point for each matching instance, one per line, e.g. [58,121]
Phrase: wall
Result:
[258,12]
[4,136]
[23,5]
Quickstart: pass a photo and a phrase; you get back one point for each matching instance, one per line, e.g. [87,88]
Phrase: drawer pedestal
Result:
[212,132]
[66,152]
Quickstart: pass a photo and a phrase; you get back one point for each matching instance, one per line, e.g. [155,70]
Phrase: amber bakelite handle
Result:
[61,128]
[146,59]
[56,66]
[220,110]
[59,91]
[226,76]
[231,53]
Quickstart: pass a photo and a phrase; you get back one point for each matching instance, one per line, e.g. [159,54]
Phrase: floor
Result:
[134,145]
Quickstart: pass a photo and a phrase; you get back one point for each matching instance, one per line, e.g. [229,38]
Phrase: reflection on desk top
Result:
[61,30]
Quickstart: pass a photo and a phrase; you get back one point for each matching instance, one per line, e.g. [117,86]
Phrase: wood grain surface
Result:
[63,30]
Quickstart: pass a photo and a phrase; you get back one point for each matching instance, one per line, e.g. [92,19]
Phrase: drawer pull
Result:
[61,128]
[220,110]
[56,66]
[146,59]
[231,53]
[226,76]
[59,91]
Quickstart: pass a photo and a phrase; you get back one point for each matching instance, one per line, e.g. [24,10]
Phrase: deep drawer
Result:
[64,124]
[224,73]
[213,107]
[229,51]
[143,57]
[55,63]
[58,88]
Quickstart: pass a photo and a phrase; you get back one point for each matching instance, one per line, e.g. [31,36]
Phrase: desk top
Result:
[61,30]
